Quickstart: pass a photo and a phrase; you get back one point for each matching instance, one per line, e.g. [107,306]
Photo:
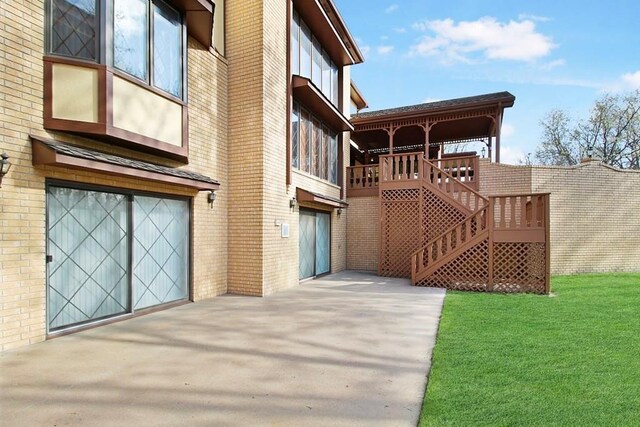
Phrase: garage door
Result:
[112,253]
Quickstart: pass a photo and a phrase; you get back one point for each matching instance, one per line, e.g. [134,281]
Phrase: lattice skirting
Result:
[400,235]
[467,272]
[519,267]
[438,216]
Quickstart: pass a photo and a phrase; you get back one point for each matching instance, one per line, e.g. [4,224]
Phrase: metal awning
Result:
[309,196]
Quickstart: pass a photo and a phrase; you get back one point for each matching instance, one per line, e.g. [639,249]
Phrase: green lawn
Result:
[571,359]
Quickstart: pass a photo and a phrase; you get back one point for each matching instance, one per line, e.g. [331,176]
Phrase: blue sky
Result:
[549,54]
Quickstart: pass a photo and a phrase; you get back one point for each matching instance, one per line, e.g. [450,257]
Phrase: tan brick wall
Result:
[22,197]
[244,51]
[594,222]
[363,219]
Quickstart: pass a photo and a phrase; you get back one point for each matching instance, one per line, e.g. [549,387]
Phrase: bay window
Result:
[314,145]
[146,42]
[309,59]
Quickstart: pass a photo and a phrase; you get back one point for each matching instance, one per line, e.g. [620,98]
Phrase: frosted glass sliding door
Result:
[160,251]
[88,252]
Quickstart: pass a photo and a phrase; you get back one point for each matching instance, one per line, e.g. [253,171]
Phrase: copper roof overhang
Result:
[311,197]
[309,95]
[52,153]
[199,18]
[327,25]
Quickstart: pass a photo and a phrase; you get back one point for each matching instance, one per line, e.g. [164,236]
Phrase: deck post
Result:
[489,220]
[498,131]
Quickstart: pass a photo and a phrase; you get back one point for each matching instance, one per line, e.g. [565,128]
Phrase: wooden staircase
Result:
[464,240]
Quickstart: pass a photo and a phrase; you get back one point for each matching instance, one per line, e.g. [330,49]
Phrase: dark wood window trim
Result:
[104,129]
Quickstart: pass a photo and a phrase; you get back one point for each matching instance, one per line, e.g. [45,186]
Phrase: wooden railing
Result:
[363,180]
[520,221]
[401,167]
[459,192]
[463,168]
[461,235]
[519,217]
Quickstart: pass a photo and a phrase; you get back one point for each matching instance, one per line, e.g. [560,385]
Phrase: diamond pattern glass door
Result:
[323,233]
[87,241]
[160,251]
[307,246]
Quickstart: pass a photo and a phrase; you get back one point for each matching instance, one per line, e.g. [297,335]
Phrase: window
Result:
[74,27]
[310,60]
[147,38]
[314,145]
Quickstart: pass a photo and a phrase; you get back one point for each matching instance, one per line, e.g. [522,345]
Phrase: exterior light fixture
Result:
[211,197]
[484,151]
[292,203]
[4,166]
[339,211]
[589,152]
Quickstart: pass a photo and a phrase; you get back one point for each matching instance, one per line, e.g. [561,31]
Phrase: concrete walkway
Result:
[349,349]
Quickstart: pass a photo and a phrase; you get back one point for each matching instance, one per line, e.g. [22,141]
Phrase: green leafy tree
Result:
[611,133]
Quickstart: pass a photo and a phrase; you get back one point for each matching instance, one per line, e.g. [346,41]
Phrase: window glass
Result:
[305,50]
[334,84]
[305,140]
[326,75]
[74,26]
[333,168]
[317,148]
[316,72]
[295,44]
[295,135]
[130,35]
[324,164]
[167,49]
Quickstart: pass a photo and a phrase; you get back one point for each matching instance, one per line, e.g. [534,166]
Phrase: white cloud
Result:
[384,50]
[384,37]
[530,17]
[508,130]
[632,80]
[458,41]
[553,64]
[626,82]
[365,49]
[400,30]
[428,100]
[392,8]
[512,155]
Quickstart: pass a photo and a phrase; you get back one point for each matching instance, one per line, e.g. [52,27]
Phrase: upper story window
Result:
[310,60]
[147,39]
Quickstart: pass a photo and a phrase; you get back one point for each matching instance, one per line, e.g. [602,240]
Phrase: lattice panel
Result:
[519,267]
[438,216]
[400,235]
[467,272]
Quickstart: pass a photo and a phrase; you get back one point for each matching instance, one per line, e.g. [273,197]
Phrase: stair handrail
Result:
[451,178]
[418,257]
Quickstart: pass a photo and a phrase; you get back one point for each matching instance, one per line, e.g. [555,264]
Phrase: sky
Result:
[560,54]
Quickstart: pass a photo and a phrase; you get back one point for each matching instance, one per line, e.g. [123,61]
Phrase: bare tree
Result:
[611,133]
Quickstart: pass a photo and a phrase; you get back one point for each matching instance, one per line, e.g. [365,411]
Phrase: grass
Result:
[570,359]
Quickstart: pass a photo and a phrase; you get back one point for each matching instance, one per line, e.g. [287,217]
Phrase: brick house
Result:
[167,151]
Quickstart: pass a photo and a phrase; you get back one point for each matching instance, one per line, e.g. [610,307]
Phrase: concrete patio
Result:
[348,349]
